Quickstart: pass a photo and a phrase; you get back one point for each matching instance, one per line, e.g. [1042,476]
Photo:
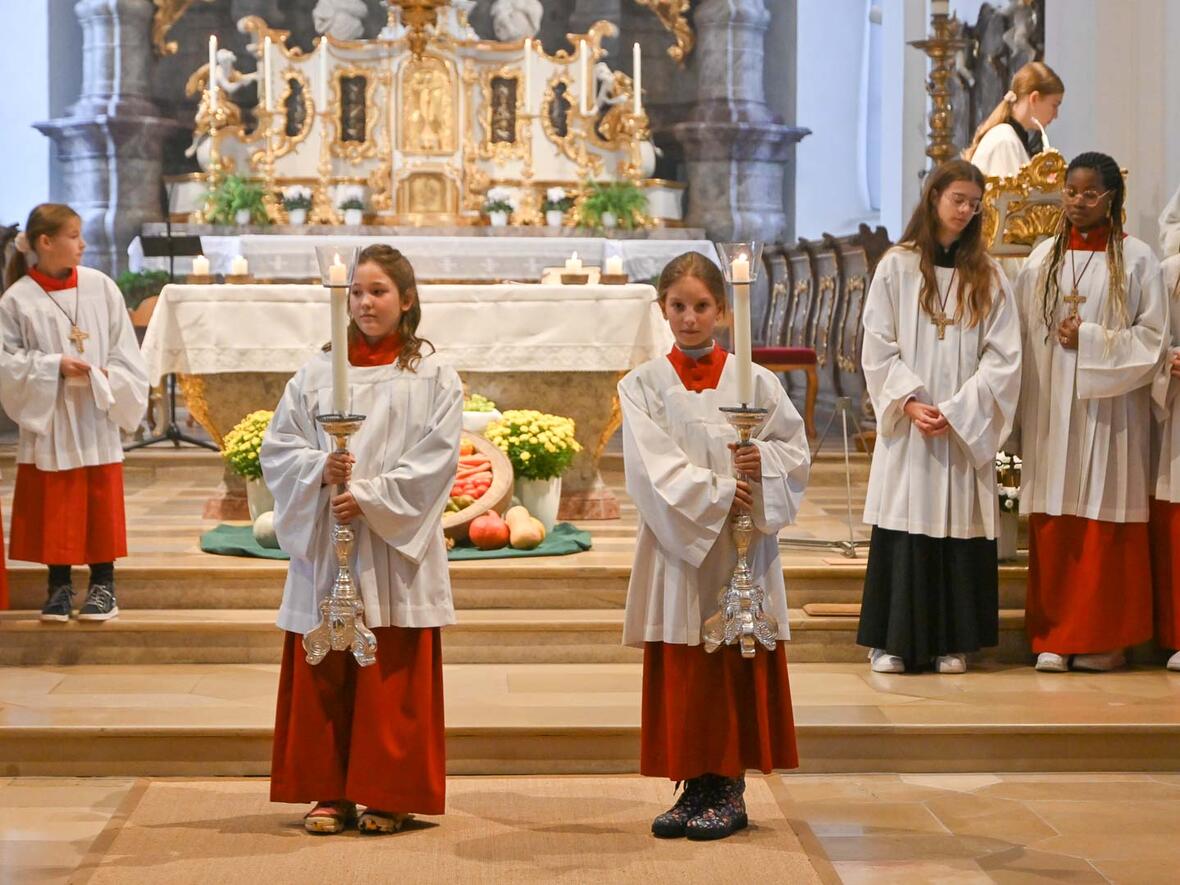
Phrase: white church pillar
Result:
[903,111]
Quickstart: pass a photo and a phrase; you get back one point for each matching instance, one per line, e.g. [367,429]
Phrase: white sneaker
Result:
[1174,662]
[883,662]
[951,663]
[1049,662]
[1100,663]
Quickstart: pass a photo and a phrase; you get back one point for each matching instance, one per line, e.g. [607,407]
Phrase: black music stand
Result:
[171,247]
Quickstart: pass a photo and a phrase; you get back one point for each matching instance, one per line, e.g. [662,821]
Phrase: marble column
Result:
[736,150]
[110,143]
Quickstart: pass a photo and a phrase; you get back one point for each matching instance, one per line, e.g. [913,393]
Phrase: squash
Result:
[489,532]
[525,532]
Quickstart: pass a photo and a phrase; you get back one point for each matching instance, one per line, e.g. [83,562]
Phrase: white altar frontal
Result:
[558,349]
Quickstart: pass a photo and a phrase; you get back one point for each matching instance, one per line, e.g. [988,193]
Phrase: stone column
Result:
[110,143]
[736,149]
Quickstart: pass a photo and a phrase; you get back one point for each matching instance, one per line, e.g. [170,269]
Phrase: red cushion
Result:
[782,355]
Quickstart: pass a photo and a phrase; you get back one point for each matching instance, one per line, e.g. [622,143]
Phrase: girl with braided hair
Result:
[1094,321]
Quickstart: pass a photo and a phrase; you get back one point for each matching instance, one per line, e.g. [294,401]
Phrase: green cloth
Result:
[238,540]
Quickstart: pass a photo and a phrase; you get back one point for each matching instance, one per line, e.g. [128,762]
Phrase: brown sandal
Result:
[380,823]
[330,818]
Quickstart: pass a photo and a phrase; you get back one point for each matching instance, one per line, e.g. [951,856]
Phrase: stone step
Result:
[481,636]
[214,720]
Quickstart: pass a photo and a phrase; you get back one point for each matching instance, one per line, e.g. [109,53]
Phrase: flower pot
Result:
[541,498]
[609,220]
[297,216]
[258,498]
[498,219]
[554,218]
[354,217]
[243,216]
[477,422]
[1006,537]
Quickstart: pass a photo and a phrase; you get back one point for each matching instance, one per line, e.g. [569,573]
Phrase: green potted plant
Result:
[240,450]
[557,203]
[610,204]
[236,200]
[352,204]
[541,448]
[497,206]
[297,202]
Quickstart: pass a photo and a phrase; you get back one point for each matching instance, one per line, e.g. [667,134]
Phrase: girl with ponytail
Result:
[1015,131]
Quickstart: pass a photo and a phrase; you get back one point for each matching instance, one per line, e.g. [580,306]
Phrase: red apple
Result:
[489,532]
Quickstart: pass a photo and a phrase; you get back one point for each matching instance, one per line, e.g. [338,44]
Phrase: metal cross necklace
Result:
[1074,299]
[77,336]
[940,318]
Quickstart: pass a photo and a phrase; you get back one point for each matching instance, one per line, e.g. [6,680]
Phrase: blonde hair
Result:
[1036,76]
[45,220]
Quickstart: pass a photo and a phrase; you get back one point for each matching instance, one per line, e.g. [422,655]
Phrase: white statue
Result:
[230,82]
[606,92]
[1024,23]
[516,19]
[341,19]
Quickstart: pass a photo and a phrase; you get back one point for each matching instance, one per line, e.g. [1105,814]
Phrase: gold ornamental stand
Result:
[941,48]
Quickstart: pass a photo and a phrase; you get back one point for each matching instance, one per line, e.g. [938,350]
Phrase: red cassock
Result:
[714,713]
[1089,584]
[1165,571]
[3,574]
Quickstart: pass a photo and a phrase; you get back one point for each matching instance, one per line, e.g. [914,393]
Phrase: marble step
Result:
[209,720]
[481,636]
[227,583]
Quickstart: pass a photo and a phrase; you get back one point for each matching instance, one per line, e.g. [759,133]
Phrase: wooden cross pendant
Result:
[940,320]
[1073,300]
[78,336]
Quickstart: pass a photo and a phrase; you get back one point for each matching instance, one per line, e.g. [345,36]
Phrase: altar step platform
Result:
[183,682]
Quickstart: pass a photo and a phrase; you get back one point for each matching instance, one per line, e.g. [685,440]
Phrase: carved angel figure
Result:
[516,19]
[341,19]
[230,81]
[1024,22]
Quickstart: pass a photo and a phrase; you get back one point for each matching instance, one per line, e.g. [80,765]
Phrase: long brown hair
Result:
[976,271]
[397,267]
[45,220]
[696,265]
[1036,76]
[1050,284]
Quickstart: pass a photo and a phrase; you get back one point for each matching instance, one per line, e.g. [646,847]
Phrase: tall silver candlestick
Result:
[740,618]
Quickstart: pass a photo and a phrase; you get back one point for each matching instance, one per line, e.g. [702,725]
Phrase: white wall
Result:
[903,111]
[23,101]
[1120,96]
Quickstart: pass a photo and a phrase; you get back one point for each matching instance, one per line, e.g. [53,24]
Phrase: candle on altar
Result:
[739,273]
[200,266]
[212,72]
[266,96]
[339,307]
[239,267]
[573,264]
[322,91]
[637,67]
[528,78]
[613,266]
[337,272]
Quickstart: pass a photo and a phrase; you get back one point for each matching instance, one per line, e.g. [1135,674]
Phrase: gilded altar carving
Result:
[428,107]
[168,13]
[503,116]
[296,111]
[427,195]
[557,110]
[1021,210]
[673,15]
[354,92]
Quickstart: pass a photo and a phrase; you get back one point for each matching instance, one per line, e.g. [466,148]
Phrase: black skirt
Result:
[926,597]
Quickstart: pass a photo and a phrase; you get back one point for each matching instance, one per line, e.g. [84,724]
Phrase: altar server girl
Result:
[942,363]
[71,377]
[1095,327]
[344,734]
[706,717]
[1165,506]
[1014,132]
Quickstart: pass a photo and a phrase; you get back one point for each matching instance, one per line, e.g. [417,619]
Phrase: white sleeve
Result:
[786,461]
[125,367]
[29,379]
[1113,363]
[889,380]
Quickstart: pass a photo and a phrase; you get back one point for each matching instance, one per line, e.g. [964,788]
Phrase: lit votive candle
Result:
[200,266]
[337,272]
[613,266]
[573,264]
[239,267]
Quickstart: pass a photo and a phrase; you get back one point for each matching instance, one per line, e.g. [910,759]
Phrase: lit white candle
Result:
[239,267]
[739,271]
[573,264]
[528,76]
[266,96]
[637,67]
[339,350]
[322,97]
[200,266]
[613,266]
[212,72]
[337,272]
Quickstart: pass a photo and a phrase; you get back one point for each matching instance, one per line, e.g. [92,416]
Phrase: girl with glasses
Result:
[1094,320]
[942,362]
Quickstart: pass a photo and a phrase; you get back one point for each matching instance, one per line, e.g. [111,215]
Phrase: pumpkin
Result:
[489,532]
[525,532]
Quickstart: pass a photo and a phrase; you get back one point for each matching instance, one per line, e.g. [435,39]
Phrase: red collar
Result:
[53,284]
[702,374]
[1094,240]
[383,353]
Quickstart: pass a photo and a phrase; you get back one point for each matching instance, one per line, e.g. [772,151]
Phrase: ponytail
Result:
[1036,76]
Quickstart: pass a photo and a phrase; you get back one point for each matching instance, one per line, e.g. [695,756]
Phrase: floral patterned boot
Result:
[670,824]
[724,810]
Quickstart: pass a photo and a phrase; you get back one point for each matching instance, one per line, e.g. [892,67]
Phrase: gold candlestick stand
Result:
[265,161]
[941,49]
[342,623]
[322,210]
[740,618]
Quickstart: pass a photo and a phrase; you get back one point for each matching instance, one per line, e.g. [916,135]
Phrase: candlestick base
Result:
[740,619]
[201,279]
[239,279]
[614,279]
[575,279]
[342,614]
